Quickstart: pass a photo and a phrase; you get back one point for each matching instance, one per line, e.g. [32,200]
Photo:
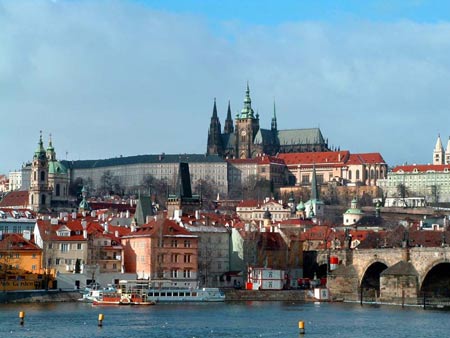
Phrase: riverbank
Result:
[42,296]
[39,296]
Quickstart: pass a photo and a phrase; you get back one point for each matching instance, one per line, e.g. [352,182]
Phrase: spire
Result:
[228,128]
[40,151]
[438,153]
[274,118]
[247,111]
[214,109]
[438,146]
[314,189]
[50,150]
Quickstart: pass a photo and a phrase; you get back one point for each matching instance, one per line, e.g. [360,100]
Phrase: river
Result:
[229,319]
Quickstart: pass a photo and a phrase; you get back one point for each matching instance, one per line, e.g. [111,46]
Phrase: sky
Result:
[119,78]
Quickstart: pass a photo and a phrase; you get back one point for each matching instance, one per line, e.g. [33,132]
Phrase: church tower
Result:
[39,193]
[447,152]
[214,134]
[438,153]
[247,125]
[228,128]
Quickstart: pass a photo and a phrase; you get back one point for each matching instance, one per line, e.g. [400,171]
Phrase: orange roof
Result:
[421,168]
[15,199]
[367,158]
[248,204]
[16,242]
[153,228]
[257,160]
[324,157]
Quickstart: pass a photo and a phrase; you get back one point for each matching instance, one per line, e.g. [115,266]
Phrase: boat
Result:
[126,293]
[185,295]
[96,293]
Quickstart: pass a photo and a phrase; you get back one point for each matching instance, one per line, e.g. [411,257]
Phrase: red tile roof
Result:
[257,160]
[325,157]
[13,199]
[248,204]
[367,158]
[153,228]
[16,242]
[421,168]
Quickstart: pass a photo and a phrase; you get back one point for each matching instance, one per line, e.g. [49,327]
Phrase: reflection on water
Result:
[230,319]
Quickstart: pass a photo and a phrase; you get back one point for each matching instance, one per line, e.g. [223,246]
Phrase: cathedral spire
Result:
[247,111]
[214,134]
[228,128]
[274,118]
[214,115]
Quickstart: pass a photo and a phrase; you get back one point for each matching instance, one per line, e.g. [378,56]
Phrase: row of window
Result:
[14,255]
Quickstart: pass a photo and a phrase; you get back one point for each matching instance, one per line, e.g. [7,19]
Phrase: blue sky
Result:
[112,78]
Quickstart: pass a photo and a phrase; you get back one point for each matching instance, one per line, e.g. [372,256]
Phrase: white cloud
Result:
[112,78]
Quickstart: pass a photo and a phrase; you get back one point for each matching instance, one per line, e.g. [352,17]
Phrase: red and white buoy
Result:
[334,261]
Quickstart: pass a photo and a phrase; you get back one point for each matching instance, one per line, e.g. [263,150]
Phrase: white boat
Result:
[96,293]
[185,295]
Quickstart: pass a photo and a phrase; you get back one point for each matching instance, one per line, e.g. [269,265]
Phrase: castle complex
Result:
[246,139]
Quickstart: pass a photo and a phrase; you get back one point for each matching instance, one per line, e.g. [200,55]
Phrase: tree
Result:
[256,188]
[403,193]
[111,184]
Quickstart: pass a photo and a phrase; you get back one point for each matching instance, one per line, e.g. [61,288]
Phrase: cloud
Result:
[119,78]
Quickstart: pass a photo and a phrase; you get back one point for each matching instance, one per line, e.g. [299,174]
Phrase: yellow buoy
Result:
[301,326]
[100,319]
[22,317]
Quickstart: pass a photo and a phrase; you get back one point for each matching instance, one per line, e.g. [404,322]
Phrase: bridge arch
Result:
[436,279]
[370,280]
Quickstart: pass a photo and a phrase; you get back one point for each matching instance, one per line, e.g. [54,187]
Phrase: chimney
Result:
[133,227]
[197,214]
[84,224]
[116,233]
[27,234]
[93,213]
[74,215]
[127,214]
[85,234]
[106,227]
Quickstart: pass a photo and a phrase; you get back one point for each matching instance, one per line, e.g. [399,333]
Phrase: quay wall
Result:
[40,296]
[265,295]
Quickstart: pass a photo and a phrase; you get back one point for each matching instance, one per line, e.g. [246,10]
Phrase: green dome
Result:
[300,206]
[55,167]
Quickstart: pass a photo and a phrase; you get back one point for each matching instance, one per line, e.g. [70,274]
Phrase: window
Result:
[57,261]
[42,175]
[174,273]
[187,243]
[187,273]
[187,258]
[79,246]
[174,243]
[64,247]
[305,179]
[174,258]
[50,245]
[17,255]
[114,266]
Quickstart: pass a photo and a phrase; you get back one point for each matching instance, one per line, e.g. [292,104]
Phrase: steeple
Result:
[40,151]
[247,111]
[314,189]
[273,126]
[438,153]
[51,155]
[214,146]
[447,152]
[228,128]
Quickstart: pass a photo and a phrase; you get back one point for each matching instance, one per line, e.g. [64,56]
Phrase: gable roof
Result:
[421,168]
[317,158]
[15,198]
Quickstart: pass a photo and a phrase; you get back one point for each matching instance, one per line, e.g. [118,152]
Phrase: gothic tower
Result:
[228,128]
[214,134]
[39,193]
[438,153]
[273,125]
[247,125]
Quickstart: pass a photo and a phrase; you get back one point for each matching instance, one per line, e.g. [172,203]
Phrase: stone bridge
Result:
[392,274]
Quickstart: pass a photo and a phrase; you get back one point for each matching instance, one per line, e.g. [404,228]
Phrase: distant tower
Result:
[438,153]
[228,128]
[447,152]
[247,125]
[273,125]
[39,193]
[214,134]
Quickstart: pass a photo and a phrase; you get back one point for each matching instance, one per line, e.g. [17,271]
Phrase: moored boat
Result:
[127,293]
[185,295]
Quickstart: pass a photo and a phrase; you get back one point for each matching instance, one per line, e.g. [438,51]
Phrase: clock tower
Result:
[247,125]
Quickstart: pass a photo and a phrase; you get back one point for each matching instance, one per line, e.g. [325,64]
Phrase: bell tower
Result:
[247,125]
[39,193]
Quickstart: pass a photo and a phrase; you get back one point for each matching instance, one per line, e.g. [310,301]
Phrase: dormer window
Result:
[63,233]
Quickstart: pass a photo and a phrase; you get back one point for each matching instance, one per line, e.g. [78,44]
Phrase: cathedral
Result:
[246,139]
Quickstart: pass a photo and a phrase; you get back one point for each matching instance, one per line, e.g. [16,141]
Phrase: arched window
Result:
[35,178]
[32,199]
[57,192]
[372,173]
[43,199]
[357,174]
[350,175]
[42,175]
